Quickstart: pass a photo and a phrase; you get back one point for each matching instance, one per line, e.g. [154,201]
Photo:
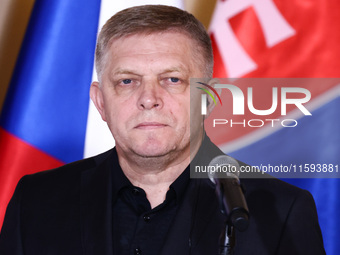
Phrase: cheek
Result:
[182,117]
[182,108]
[115,106]
[113,113]
[120,115]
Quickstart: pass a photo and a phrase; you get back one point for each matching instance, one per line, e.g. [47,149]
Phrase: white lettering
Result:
[297,101]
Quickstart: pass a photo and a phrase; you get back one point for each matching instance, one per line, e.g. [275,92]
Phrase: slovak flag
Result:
[47,119]
[285,39]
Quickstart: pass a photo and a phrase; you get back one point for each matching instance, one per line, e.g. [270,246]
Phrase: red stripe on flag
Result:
[18,158]
[219,68]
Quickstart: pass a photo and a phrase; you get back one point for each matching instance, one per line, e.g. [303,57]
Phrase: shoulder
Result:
[64,179]
[276,196]
[283,216]
[71,170]
[259,186]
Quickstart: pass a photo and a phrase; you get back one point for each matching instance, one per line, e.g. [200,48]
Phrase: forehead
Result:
[147,43]
[163,48]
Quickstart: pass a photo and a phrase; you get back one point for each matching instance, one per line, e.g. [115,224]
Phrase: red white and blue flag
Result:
[286,39]
[47,119]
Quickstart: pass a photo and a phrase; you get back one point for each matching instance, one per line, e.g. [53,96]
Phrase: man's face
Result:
[144,94]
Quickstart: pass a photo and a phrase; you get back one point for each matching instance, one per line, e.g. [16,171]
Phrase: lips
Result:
[150,125]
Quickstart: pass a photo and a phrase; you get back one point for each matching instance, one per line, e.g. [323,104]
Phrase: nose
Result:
[150,97]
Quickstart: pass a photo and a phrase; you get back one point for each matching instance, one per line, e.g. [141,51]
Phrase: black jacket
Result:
[68,211]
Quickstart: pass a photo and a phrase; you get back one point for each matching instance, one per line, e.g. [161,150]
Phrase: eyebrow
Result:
[181,69]
[171,70]
[124,71]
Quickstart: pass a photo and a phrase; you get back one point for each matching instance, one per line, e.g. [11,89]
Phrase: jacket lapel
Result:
[208,220]
[198,222]
[96,209]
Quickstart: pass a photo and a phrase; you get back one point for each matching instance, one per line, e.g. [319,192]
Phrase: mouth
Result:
[150,125]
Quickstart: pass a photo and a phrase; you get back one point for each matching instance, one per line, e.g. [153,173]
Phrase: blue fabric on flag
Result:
[316,139]
[48,98]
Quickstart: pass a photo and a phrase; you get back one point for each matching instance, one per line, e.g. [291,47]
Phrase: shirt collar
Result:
[120,181]
[204,155]
[181,183]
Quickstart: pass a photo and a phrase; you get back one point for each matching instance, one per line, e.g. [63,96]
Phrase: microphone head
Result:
[224,172]
[223,166]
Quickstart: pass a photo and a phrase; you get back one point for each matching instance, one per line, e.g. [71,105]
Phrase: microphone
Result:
[224,172]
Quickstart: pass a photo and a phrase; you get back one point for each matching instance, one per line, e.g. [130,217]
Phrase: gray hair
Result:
[149,19]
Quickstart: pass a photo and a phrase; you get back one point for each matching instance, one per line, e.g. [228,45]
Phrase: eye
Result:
[174,84]
[127,81]
[173,79]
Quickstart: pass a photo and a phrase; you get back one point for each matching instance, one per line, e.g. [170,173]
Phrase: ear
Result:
[211,103]
[97,98]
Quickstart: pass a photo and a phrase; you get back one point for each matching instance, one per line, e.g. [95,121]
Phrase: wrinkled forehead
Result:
[139,42]
[154,34]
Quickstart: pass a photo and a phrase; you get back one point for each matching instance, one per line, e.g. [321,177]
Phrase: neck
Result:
[155,174]
[155,180]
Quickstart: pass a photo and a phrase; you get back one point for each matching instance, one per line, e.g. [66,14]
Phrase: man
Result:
[138,197]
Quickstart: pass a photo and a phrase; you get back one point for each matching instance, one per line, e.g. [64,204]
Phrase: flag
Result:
[43,122]
[285,39]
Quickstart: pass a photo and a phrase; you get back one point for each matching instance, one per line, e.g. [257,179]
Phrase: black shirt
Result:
[138,229]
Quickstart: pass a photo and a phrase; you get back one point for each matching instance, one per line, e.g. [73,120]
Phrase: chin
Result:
[152,150]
